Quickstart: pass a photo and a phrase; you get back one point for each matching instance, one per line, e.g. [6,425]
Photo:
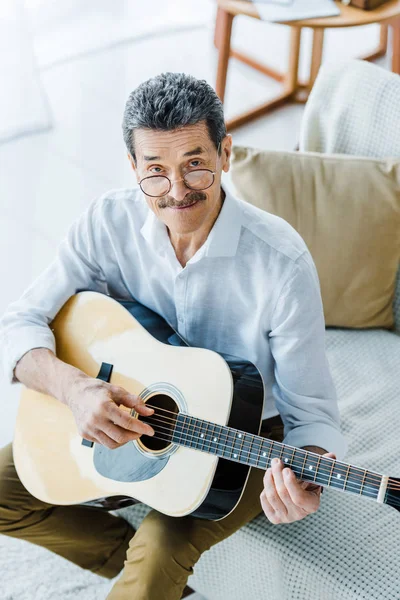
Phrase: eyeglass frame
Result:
[182,179]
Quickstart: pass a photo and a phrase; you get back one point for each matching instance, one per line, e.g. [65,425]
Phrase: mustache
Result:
[189,199]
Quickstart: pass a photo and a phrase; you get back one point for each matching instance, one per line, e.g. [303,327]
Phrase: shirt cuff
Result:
[318,434]
[25,339]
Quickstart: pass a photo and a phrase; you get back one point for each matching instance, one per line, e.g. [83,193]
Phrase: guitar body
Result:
[148,358]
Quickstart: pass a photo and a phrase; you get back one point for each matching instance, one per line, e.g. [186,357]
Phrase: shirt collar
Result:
[222,240]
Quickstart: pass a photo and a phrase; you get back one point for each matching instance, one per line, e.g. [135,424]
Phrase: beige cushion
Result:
[347,210]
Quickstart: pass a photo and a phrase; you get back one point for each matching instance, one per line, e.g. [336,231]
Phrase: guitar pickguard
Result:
[126,463]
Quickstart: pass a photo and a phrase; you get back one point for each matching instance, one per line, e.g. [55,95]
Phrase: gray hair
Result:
[170,101]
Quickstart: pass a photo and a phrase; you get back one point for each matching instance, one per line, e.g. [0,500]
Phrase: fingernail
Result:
[275,461]
[286,472]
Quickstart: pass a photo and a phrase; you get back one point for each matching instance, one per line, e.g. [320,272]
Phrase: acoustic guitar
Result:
[207,418]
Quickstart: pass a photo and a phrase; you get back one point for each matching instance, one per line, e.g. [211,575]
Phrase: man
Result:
[227,276]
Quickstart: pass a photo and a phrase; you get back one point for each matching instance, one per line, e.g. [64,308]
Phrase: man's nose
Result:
[179,190]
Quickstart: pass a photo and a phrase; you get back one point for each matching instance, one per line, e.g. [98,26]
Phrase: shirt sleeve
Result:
[25,324]
[304,391]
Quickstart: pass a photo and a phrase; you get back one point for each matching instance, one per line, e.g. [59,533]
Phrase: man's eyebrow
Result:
[193,152]
[152,157]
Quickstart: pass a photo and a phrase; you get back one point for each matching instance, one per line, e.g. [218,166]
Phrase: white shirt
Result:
[251,290]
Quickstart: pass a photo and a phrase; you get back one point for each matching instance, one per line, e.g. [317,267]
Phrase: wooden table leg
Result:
[383,39]
[217,30]
[316,56]
[396,46]
[224,41]
[291,80]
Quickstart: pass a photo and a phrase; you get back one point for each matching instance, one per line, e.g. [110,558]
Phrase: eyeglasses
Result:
[160,185]
[157,186]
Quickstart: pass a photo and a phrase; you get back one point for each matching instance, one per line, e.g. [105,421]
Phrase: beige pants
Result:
[159,557]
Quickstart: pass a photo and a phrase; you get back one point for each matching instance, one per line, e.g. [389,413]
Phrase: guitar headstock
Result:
[393,493]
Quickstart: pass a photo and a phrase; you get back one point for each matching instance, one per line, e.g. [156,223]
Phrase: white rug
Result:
[31,573]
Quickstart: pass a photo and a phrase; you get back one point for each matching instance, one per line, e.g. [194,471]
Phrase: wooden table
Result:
[387,15]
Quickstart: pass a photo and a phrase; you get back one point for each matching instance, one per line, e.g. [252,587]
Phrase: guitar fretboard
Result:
[258,451]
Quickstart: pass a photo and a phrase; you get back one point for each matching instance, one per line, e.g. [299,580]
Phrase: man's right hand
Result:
[94,404]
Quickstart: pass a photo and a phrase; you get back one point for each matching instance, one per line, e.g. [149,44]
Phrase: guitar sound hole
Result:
[162,421]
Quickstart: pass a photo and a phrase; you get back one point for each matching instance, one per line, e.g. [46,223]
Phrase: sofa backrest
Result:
[354,108]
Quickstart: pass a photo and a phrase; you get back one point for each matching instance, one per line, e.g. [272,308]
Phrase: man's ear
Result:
[134,167]
[131,161]
[226,152]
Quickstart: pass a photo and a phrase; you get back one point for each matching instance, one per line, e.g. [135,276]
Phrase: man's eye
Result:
[195,161]
[153,169]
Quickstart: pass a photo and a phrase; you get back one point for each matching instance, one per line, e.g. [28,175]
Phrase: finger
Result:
[118,434]
[131,401]
[103,439]
[268,510]
[272,494]
[330,455]
[126,421]
[280,485]
[308,501]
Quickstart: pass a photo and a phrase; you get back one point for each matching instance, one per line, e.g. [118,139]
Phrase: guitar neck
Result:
[257,451]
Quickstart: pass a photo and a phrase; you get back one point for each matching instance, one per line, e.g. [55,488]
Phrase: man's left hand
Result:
[284,498]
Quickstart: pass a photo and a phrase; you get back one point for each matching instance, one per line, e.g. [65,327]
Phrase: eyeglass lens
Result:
[160,185]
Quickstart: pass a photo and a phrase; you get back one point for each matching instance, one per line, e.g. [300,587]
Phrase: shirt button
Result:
[180,319]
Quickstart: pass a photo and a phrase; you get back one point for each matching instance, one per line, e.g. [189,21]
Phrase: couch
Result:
[350,548]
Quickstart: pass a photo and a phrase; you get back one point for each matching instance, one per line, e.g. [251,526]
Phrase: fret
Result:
[250,440]
[292,460]
[265,452]
[216,439]
[287,455]
[362,482]
[209,437]
[281,452]
[213,440]
[206,437]
[337,478]
[242,436]
[316,473]
[270,449]
[331,472]
[202,434]
[258,449]
[231,443]
[225,452]
[191,436]
[275,451]
[371,486]
[304,464]
[312,461]
[194,433]
[355,480]
[295,467]
[183,429]
[346,477]
[237,444]
[255,450]
[177,432]
[245,444]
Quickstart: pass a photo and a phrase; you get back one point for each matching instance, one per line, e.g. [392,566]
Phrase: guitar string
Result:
[369,477]
[326,473]
[369,474]
[343,467]
[366,493]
